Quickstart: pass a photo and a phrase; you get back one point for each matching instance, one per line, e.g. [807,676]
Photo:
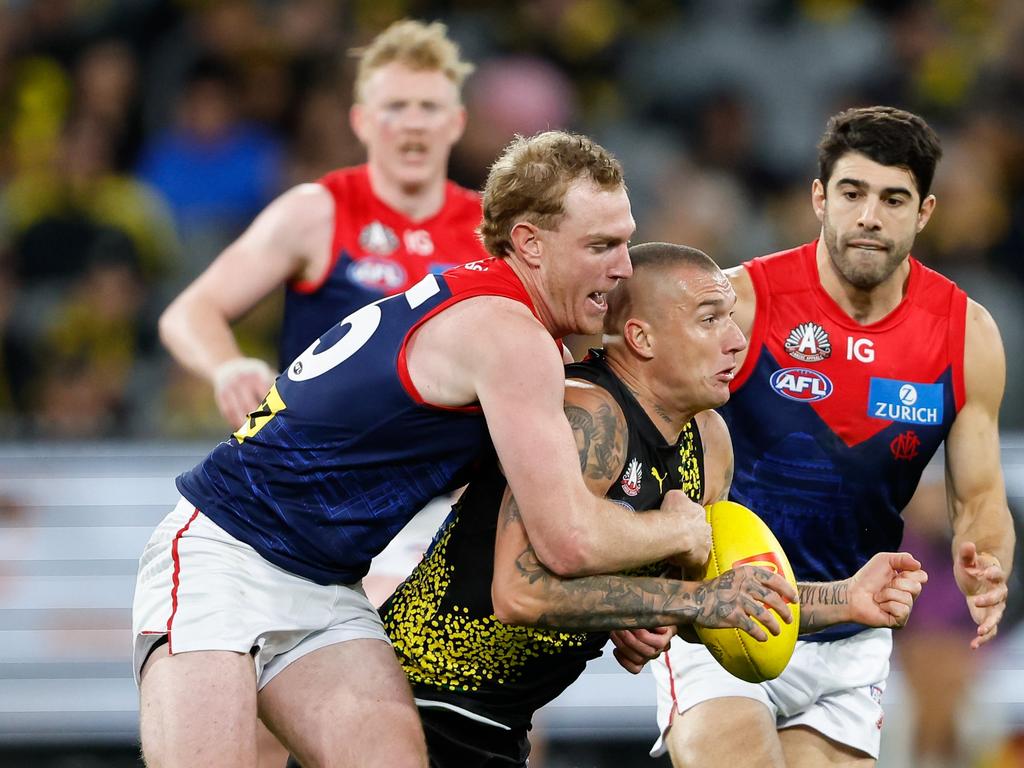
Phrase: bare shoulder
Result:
[712,426]
[984,357]
[495,322]
[601,432]
[714,433]
[746,297]
[718,455]
[300,222]
[741,283]
[302,206]
[981,326]
[485,348]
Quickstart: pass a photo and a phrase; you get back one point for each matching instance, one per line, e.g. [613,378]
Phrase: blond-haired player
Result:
[355,235]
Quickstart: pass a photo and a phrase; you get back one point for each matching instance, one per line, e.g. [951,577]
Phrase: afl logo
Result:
[801,384]
[377,274]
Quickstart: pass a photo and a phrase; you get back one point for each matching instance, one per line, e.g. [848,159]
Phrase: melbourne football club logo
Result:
[904,446]
[376,238]
[908,402]
[801,384]
[808,343]
[632,477]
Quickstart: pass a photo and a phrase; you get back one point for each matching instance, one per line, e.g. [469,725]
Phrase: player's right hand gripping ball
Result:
[739,537]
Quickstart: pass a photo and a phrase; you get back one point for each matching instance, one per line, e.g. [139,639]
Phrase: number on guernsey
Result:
[362,324]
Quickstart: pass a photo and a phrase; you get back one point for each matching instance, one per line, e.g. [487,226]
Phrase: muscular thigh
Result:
[345,704]
[198,708]
[806,748]
[725,731]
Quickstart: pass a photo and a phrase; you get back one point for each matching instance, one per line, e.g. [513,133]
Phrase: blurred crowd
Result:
[139,137]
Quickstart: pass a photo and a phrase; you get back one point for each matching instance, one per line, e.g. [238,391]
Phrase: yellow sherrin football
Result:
[739,537]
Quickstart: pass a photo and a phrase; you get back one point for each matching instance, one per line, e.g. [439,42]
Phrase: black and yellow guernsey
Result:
[456,654]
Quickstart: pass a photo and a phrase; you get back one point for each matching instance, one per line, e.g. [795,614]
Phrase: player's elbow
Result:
[569,553]
[169,323]
[513,606]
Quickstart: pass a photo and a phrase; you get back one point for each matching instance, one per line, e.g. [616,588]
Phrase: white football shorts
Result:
[205,590]
[833,687]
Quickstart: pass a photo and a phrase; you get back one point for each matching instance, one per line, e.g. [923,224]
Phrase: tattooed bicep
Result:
[582,424]
[600,436]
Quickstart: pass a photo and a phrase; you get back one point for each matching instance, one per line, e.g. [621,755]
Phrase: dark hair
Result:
[649,256]
[887,135]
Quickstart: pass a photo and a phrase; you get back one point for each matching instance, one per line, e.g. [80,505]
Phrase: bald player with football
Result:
[487,633]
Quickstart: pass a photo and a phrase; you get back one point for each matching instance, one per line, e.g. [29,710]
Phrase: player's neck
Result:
[863,306]
[530,278]
[417,202]
[668,419]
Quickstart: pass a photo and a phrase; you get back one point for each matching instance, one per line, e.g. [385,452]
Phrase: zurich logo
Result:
[909,402]
[801,384]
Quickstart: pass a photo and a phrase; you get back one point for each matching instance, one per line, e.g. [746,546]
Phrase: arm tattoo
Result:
[598,440]
[509,512]
[817,601]
[582,424]
[602,603]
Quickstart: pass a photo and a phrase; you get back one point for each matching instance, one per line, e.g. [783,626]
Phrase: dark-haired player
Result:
[862,361]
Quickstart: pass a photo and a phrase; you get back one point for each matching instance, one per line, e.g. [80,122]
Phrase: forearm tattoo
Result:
[819,604]
[602,603]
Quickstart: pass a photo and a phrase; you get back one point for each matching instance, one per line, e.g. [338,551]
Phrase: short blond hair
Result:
[415,45]
[530,179]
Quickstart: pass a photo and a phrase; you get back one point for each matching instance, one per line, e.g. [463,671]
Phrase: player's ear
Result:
[925,212]
[639,337]
[458,126]
[818,199]
[357,120]
[526,243]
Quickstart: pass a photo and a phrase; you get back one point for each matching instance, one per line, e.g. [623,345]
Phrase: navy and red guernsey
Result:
[343,451]
[376,251]
[833,422]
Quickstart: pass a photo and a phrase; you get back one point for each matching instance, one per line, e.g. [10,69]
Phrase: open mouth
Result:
[726,375]
[413,151]
[599,299]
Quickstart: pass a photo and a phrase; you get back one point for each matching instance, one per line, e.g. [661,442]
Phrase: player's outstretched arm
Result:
[519,381]
[983,538]
[283,243]
[880,594]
